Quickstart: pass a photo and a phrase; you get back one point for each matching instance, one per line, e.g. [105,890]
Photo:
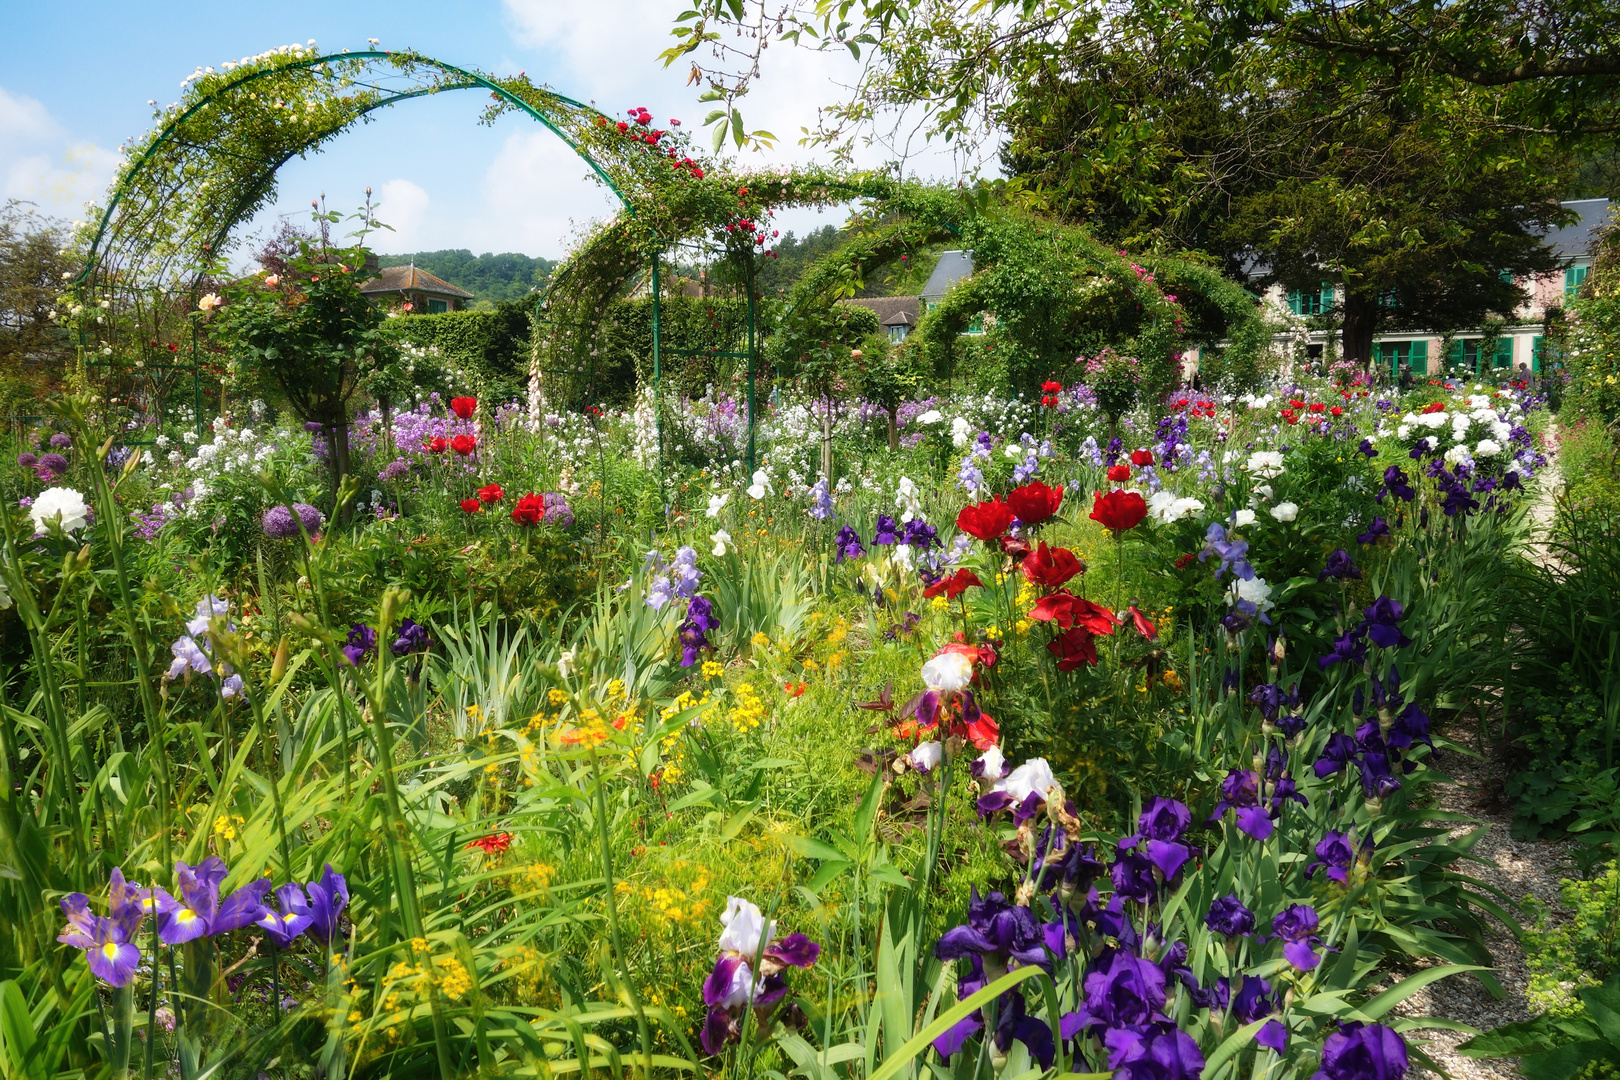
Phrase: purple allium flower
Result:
[27,460]
[1296,927]
[1229,918]
[413,638]
[312,425]
[61,440]
[1363,1052]
[557,509]
[56,463]
[397,469]
[278,522]
[361,643]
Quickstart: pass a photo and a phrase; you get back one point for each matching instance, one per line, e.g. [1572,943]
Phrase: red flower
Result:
[1014,548]
[530,510]
[983,733]
[464,407]
[1317,406]
[1051,567]
[1291,418]
[471,506]
[1118,474]
[986,520]
[1050,387]
[1336,411]
[490,493]
[954,585]
[978,654]
[435,446]
[1141,457]
[1118,510]
[1143,626]
[493,844]
[463,444]
[1035,502]
[1073,648]
[792,689]
[1184,560]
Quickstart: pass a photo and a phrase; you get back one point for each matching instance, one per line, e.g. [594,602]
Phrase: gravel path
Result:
[1518,868]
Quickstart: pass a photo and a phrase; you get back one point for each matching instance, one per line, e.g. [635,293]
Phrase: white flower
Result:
[61,506]
[761,485]
[1266,464]
[1263,492]
[1285,511]
[1033,777]
[273,280]
[565,663]
[932,416]
[1458,455]
[746,931]
[1487,448]
[1243,517]
[1433,420]
[906,500]
[1403,431]
[721,540]
[717,503]
[1164,506]
[926,757]
[903,556]
[991,765]
[948,671]
[209,302]
[1013,451]
[961,432]
[1255,590]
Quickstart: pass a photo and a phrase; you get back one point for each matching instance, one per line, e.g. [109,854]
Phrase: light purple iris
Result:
[733,985]
[107,941]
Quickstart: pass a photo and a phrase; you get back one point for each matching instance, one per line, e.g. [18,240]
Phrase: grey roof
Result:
[891,310]
[1574,241]
[402,278]
[952,267]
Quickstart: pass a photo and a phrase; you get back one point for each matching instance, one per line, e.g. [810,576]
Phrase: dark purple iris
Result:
[919,534]
[1378,780]
[292,918]
[1295,926]
[847,544]
[1229,918]
[1336,854]
[694,630]
[1290,725]
[1411,726]
[1253,1001]
[1378,528]
[1159,1052]
[1381,620]
[1160,826]
[413,638]
[1122,990]
[1363,1052]
[1002,932]
[1396,484]
[1339,752]
[1339,566]
[1240,791]
[733,986]
[1349,647]
[887,531]
[199,911]
[361,643]
[1366,448]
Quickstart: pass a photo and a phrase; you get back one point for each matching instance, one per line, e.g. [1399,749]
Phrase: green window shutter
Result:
[1535,354]
[1454,355]
[1506,276]
[1504,352]
[1420,357]
[1574,278]
[1325,297]
[1294,302]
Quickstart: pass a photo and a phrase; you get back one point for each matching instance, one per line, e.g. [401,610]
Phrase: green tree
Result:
[34,351]
[507,276]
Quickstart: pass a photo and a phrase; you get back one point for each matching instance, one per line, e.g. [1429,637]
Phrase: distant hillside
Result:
[488,277]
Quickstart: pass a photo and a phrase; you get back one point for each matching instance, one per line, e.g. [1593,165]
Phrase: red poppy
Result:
[1141,457]
[983,733]
[530,510]
[1317,406]
[435,446]
[490,493]
[1073,648]
[463,444]
[986,520]
[953,586]
[1050,567]
[1014,548]
[471,506]
[1118,474]
[1291,418]
[1118,510]
[1035,502]
[1143,626]
[1336,411]
[1067,611]
[464,407]
[1296,403]
[792,689]
[493,844]
[1051,387]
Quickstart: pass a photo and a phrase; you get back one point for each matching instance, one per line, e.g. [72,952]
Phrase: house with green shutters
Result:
[1519,343]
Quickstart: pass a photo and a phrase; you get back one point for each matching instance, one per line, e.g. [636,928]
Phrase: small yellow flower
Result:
[555,696]
[713,669]
[1022,627]
[760,640]
[939,603]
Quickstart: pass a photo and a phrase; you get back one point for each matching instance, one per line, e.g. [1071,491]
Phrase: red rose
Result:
[1143,626]
[490,493]
[1118,474]
[1035,502]
[464,407]
[463,444]
[1141,457]
[954,585]
[1118,510]
[986,520]
[1050,567]
[471,506]
[435,446]
[1073,648]
[530,510]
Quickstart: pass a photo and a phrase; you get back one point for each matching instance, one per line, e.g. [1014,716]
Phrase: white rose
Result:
[60,506]
[1285,511]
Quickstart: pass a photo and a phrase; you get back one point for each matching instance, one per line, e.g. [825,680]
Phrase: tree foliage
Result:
[507,276]
[34,350]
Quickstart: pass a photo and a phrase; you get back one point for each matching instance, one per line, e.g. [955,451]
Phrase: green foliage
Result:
[487,350]
[1585,1043]
[508,276]
[35,352]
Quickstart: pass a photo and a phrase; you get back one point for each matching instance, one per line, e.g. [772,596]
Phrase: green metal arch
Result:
[463,79]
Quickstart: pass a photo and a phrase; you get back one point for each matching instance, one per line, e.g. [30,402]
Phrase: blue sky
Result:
[75,79]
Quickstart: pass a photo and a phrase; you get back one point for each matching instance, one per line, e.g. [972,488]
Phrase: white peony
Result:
[1244,518]
[961,432]
[1266,464]
[926,757]
[1459,455]
[722,540]
[1166,507]
[1285,511]
[1255,590]
[948,671]
[1487,448]
[932,416]
[61,506]
[746,932]
[717,503]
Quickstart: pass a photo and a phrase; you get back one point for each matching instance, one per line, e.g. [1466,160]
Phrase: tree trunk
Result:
[1360,320]
[339,436]
[894,429]
[826,439]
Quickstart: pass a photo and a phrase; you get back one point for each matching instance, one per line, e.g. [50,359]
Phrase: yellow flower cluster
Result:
[225,826]
[556,697]
[713,669]
[760,640]
[749,710]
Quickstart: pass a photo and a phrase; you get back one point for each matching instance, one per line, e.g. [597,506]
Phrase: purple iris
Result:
[1229,918]
[1411,726]
[733,986]
[1381,621]
[361,643]
[1002,932]
[1349,647]
[200,912]
[1160,1052]
[1338,753]
[1240,791]
[1339,566]
[887,531]
[920,535]
[847,543]
[1363,1052]
[1295,926]
[1232,554]
[1337,854]
[1122,990]
[1379,527]
[1396,484]
[1271,697]
[291,920]
[107,941]
[1253,1001]
[1014,1022]
[1366,448]
[413,638]
[1378,780]
[1161,825]
[694,631]
[327,898]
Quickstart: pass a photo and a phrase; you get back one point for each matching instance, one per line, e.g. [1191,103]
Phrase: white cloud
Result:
[40,163]
[404,208]
[535,192]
